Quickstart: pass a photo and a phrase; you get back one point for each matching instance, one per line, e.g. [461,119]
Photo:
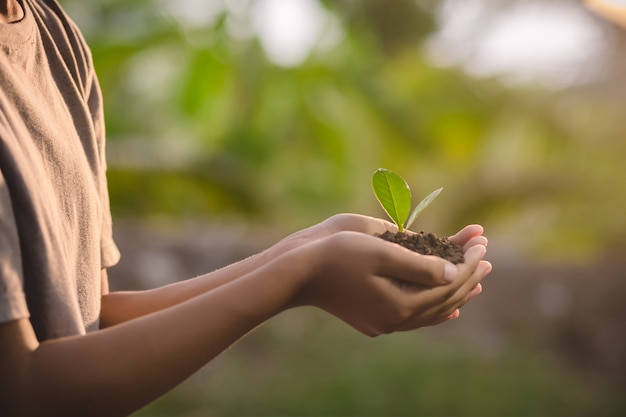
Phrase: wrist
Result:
[297,267]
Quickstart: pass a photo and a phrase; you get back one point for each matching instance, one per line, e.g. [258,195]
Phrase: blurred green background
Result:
[266,116]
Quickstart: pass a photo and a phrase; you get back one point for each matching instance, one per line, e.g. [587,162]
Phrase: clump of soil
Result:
[427,243]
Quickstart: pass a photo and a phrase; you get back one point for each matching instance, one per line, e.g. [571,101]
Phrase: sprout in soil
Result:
[394,195]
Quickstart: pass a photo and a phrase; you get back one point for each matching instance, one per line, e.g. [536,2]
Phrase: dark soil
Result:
[427,243]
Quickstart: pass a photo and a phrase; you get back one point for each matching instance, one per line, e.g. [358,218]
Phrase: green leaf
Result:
[393,194]
[422,205]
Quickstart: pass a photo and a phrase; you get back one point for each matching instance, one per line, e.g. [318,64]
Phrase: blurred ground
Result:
[568,316]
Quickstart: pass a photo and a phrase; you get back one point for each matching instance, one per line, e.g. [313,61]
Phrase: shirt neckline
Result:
[19,32]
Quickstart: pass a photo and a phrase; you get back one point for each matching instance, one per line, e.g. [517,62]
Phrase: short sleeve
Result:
[110,254]
[12,299]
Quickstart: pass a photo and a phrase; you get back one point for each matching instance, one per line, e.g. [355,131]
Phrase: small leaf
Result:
[422,205]
[393,194]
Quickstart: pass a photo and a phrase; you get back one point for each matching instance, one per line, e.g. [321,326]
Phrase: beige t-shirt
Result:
[55,223]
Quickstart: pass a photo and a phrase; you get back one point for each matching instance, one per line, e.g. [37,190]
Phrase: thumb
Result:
[411,267]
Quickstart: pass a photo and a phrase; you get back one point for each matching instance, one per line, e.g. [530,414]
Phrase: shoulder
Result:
[61,34]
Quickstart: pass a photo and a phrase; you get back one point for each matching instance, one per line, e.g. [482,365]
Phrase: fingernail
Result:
[449,273]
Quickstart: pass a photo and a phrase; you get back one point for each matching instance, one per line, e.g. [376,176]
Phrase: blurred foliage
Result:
[202,124]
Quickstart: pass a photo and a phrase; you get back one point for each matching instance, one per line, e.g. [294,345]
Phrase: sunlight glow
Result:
[552,43]
[290,30]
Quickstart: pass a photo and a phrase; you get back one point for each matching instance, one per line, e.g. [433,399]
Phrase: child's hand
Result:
[378,287]
[467,237]
[334,224]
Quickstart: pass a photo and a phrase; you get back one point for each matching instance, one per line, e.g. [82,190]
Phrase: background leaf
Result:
[394,195]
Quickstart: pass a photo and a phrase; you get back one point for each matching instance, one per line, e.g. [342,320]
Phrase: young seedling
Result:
[394,195]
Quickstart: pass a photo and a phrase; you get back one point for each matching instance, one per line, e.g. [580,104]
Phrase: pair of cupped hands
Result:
[379,287]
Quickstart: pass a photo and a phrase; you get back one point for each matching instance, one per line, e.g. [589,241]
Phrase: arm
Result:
[117,370]
[120,306]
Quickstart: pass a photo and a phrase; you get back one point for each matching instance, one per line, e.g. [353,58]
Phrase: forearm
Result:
[120,306]
[118,370]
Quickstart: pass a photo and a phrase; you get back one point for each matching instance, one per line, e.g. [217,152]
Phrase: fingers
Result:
[404,265]
[358,223]
[476,240]
[407,266]
[466,234]
[470,273]
[459,275]
[452,310]
[442,303]
[435,291]
[467,237]
[476,290]
[455,314]
[468,290]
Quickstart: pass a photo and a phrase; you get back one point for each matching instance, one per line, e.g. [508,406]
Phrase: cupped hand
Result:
[338,223]
[468,236]
[355,277]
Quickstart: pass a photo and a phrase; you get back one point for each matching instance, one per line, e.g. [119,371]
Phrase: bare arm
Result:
[121,306]
[117,370]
